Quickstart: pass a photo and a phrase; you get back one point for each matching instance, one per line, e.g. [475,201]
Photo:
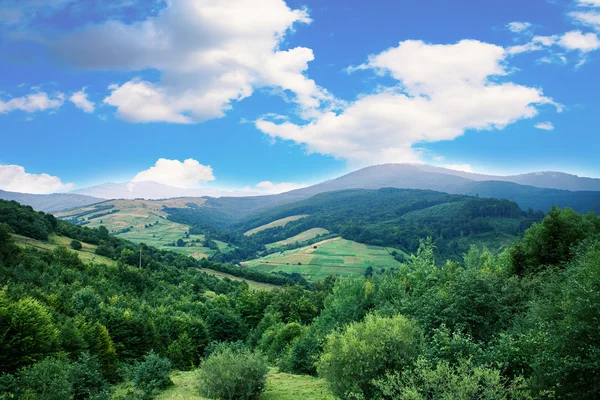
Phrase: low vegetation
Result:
[522,324]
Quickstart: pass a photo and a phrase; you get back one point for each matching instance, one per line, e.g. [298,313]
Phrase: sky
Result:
[270,95]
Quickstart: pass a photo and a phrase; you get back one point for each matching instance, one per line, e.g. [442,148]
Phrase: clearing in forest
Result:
[274,224]
[335,256]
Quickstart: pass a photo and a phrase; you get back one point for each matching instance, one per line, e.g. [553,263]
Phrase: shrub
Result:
[76,245]
[443,381]
[367,350]
[87,379]
[50,379]
[152,374]
[231,372]
[278,337]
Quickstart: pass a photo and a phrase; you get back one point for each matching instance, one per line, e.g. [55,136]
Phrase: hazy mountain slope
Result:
[50,202]
[534,197]
[152,190]
[545,179]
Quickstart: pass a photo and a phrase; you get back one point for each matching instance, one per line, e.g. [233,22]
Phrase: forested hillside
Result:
[487,326]
[386,217]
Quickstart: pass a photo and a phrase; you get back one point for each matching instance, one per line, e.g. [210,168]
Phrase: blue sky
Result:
[281,94]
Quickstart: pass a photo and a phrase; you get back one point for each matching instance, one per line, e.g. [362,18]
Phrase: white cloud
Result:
[442,91]
[589,18]
[458,167]
[187,174]
[518,27]
[583,42]
[589,3]
[81,101]
[210,53]
[546,126]
[39,101]
[268,187]
[14,179]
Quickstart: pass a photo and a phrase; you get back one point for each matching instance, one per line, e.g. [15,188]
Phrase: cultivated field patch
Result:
[274,224]
[334,256]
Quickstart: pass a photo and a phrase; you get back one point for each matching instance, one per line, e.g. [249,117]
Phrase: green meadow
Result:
[274,224]
[335,256]
[301,237]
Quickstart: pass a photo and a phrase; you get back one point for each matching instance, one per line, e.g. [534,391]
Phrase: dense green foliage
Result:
[522,324]
[386,217]
[232,373]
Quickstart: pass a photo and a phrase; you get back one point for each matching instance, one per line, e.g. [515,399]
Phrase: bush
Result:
[278,337]
[443,381]
[49,379]
[367,350]
[231,372]
[87,379]
[76,245]
[152,374]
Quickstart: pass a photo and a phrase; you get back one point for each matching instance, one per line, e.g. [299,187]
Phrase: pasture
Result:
[335,256]
[301,237]
[144,221]
[86,254]
[274,224]
[280,386]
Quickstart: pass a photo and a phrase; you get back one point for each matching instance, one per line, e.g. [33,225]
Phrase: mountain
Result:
[545,179]
[534,190]
[153,190]
[50,203]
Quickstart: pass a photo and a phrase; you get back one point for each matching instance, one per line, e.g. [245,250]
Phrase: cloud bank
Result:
[14,178]
[187,174]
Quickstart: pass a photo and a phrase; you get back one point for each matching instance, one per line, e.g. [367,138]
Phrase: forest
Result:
[391,217]
[522,324]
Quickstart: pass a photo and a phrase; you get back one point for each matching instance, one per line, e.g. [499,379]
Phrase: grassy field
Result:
[147,222]
[335,256]
[276,223]
[253,284]
[301,237]
[86,254]
[279,387]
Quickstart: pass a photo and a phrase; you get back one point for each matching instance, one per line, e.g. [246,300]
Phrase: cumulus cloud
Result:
[34,102]
[210,53]
[187,174]
[583,42]
[81,101]
[441,91]
[268,187]
[546,126]
[14,178]
[518,27]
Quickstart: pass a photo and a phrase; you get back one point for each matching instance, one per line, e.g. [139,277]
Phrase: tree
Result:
[27,334]
[76,245]
[180,242]
[367,350]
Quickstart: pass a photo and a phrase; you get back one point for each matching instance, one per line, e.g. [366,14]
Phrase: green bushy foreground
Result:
[520,325]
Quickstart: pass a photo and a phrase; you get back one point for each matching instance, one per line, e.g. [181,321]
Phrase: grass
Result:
[253,284]
[301,237]
[86,254]
[138,215]
[280,386]
[335,256]
[274,224]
